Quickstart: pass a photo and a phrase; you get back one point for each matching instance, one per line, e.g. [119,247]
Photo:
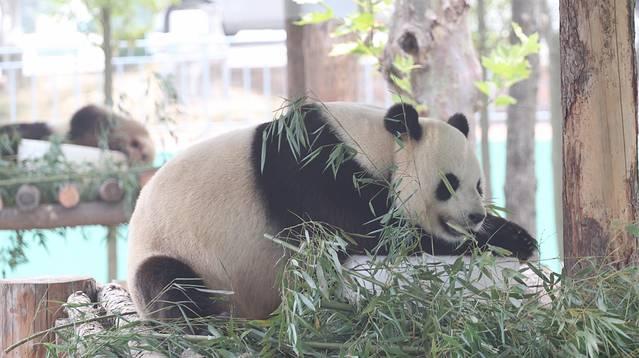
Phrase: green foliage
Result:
[317,17]
[507,64]
[432,309]
[359,29]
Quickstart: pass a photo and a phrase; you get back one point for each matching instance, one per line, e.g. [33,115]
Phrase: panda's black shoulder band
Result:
[402,118]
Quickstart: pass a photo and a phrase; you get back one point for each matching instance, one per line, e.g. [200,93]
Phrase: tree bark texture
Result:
[521,184]
[599,104]
[436,35]
[33,305]
[311,71]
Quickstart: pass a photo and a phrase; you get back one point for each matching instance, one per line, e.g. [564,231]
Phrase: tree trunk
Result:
[521,183]
[436,35]
[108,55]
[484,117]
[599,104]
[310,69]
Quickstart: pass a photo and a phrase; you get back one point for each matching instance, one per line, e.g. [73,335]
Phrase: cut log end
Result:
[111,191]
[69,195]
[27,197]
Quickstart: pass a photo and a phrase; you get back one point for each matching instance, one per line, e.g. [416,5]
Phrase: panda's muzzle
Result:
[447,227]
[454,229]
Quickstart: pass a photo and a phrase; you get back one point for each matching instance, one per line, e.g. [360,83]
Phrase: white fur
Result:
[421,166]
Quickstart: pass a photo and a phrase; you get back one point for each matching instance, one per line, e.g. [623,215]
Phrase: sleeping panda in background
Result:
[202,218]
[85,128]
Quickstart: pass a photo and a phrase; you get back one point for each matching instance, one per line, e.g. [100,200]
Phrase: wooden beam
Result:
[599,104]
[51,216]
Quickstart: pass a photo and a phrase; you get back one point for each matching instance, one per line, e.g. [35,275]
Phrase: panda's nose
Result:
[476,218]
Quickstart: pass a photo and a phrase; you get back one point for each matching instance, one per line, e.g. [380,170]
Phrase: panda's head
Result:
[437,174]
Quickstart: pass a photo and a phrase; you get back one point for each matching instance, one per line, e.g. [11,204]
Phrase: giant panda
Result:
[86,127]
[201,220]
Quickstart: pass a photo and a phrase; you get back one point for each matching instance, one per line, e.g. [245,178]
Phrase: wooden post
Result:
[112,252]
[33,305]
[105,19]
[599,104]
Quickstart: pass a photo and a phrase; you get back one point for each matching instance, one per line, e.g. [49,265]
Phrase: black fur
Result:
[443,193]
[172,290]
[460,122]
[89,119]
[36,130]
[293,191]
[15,132]
[402,118]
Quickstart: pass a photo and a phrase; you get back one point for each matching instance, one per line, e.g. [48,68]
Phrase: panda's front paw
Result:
[524,246]
[510,236]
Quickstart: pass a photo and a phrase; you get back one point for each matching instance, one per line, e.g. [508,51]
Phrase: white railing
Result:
[30,76]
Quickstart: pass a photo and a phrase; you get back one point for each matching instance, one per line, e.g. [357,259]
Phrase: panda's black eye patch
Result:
[481,192]
[447,186]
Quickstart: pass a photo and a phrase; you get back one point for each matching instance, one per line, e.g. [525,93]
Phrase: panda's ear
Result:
[402,118]
[460,122]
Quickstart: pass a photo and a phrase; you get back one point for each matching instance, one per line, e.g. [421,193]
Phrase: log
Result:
[117,301]
[62,333]
[111,191]
[69,195]
[27,197]
[33,305]
[51,216]
[80,307]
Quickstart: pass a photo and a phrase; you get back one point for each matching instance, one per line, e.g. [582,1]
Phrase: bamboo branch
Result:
[55,329]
